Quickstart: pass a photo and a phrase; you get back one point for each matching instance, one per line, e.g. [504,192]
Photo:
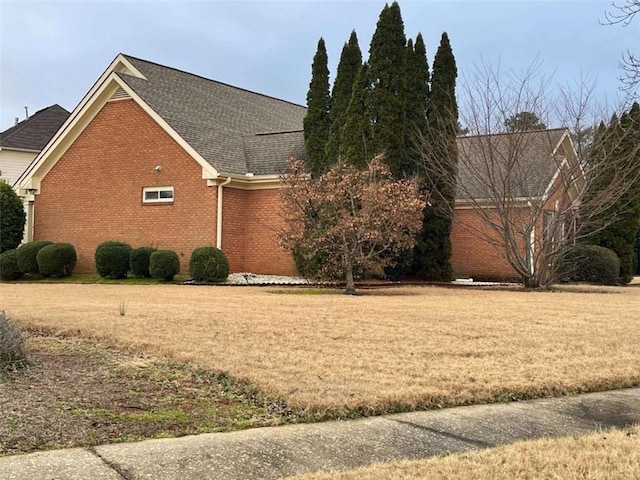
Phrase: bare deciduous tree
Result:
[622,14]
[528,190]
[360,218]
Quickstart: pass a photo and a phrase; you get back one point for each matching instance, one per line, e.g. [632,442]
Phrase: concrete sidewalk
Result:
[274,452]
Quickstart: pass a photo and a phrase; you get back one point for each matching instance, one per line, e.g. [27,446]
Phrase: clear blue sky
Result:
[53,51]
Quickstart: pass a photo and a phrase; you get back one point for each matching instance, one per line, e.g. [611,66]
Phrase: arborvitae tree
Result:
[387,57]
[348,68]
[316,122]
[620,142]
[355,136]
[417,96]
[433,249]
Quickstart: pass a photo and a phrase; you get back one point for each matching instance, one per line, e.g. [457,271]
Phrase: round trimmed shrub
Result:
[164,264]
[57,260]
[9,269]
[112,259]
[139,261]
[27,255]
[590,263]
[208,264]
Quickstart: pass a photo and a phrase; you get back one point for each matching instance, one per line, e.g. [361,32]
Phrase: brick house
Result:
[156,156]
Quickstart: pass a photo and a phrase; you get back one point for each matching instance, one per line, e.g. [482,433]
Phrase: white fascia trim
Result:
[243,182]
[26,150]
[562,139]
[485,203]
[547,190]
[116,64]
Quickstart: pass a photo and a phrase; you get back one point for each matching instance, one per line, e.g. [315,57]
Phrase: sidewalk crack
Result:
[477,443]
[123,472]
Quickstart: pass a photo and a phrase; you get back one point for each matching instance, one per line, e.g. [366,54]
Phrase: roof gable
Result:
[208,119]
[211,116]
[36,131]
[522,163]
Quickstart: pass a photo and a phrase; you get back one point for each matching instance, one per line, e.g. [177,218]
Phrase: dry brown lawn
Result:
[612,455]
[392,349]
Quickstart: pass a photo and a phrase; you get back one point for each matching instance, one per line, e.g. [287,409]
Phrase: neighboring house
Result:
[20,144]
[156,156]
[541,175]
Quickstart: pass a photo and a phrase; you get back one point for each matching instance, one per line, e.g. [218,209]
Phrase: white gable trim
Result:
[569,160]
[84,113]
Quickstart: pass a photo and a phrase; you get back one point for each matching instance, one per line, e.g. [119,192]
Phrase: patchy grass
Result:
[389,350]
[79,393]
[611,455]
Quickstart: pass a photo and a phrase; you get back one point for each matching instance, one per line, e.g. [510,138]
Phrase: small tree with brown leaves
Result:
[360,219]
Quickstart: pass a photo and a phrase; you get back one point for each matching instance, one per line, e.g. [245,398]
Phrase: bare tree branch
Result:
[623,14]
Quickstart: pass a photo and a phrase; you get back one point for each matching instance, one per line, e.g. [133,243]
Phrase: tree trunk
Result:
[351,286]
[531,282]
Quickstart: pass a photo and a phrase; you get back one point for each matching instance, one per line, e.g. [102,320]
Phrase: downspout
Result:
[219,219]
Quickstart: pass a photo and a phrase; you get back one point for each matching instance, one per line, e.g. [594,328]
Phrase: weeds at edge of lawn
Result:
[131,397]
[310,413]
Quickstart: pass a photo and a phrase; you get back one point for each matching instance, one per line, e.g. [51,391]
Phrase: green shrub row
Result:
[42,257]
[117,259]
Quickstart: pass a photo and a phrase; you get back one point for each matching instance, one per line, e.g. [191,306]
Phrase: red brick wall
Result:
[251,220]
[234,227]
[472,255]
[264,219]
[94,192]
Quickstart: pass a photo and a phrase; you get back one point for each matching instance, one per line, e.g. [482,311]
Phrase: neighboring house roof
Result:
[34,132]
[522,164]
[216,118]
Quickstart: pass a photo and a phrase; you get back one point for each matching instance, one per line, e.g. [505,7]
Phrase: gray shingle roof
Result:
[216,119]
[34,132]
[526,156]
[269,153]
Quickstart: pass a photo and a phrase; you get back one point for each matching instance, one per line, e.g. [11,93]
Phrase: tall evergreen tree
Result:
[348,68]
[316,122]
[433,250]
[388,97]
[355,136]
[417,100]
[620,142]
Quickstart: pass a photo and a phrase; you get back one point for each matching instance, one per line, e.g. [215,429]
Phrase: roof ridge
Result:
[538,130]
[211,80]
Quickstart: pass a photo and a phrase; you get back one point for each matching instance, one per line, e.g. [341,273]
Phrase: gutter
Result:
[219,217]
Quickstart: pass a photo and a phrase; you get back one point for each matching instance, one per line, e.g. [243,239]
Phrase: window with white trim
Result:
[157,195]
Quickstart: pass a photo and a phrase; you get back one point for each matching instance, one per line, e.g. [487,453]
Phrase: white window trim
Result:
[145,190]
